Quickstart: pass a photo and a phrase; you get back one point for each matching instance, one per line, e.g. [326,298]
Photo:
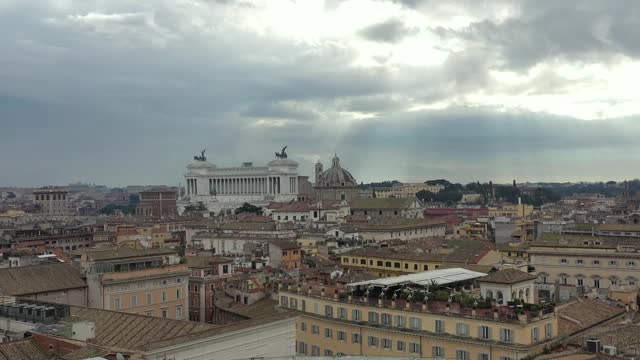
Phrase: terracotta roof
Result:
[507,276]
[262,307]
[584,313]
[26,349]
[382,203]
[582,241]
[39,278]
[130,331]
[201,262]
[285,244]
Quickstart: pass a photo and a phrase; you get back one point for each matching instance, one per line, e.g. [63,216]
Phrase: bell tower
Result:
[319,171]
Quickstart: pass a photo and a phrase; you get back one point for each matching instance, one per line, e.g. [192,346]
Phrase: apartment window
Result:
[505,335]
[178,312]
[342,313]
[116,304]
[437,351]
[328,333]
[596,283]
[396,265]
[387,264]
[563,261]
[386,344]
[303,304]
[165,313]
[372,341]
[134,300]
[315,350]
[401,346]
[596,262]
[462,329]
[579,262]
[425,267]
[302,348]
[414,348]
[580,282]
[356,315]
[483,356]
[548,330]
[355,338]
[484,332]
[631,263]
[406,266]
[386,319]
[401,321]
[328,311]
[535,334]
[328,352]
[178,294]
[315,329]
[440,326]
[415,266]
[416,323]
[303,326]
[374,317]
[341,335]
[505,358]
[149,301]
[293,303]
[613,263]
[462,355]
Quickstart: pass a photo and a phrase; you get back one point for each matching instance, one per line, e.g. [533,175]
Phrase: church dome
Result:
[336,176]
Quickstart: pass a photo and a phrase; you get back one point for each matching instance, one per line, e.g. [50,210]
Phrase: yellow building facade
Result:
[511,211]
[386,265]
[328,327]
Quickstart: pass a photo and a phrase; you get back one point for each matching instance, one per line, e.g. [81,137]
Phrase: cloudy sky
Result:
[126,92]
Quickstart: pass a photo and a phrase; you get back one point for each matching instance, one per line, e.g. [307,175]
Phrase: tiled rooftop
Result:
[39,279]
[26,349]
[584,313]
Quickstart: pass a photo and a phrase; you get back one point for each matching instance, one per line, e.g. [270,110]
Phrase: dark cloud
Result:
[579,32]
[389,31]
[126,92]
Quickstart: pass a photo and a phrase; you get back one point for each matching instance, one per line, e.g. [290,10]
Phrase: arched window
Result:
[489,294]
[499,297]
[526,294]
[387,264]
[521,294]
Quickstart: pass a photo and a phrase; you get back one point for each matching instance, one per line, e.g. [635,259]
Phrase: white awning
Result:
[439,277]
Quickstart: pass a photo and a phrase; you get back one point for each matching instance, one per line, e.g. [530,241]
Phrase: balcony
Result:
[480,309]
[165,270]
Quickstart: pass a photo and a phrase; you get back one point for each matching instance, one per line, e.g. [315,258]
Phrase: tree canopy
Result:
[248,208]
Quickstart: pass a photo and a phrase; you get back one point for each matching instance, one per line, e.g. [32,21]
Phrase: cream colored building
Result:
[407,190]
[52,200]
[511,211]
[377,230]
[595,262]
[147,282]
[339,324]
